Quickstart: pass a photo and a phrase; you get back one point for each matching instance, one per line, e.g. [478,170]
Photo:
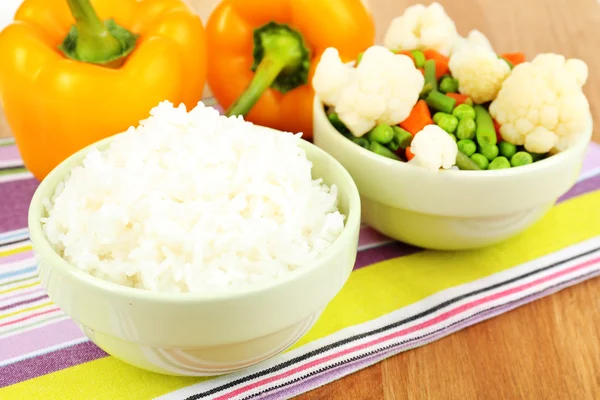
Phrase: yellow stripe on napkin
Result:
[15,250]
[387,285]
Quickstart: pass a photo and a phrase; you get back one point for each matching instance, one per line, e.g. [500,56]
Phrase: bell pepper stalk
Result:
[281,61]
[65,84]
[95,41]
[264,53]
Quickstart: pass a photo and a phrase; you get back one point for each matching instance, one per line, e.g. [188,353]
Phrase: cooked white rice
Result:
[191,202]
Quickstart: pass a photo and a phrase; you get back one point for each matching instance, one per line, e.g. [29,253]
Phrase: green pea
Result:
[447,122]
[448,85]
[361,141]
[466,128]
[382,133]
[439,115]
[467,146]
[499,163]
[480,160]
[507,149]
[453,136]
[464,111]
[521,158]
[490,151]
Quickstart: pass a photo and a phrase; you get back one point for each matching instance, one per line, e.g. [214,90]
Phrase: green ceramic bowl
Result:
[450,210]
[199,334]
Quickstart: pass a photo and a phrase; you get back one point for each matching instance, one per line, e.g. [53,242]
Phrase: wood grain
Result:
[549,349]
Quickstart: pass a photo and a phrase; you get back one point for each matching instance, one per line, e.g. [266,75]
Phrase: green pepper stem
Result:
[95,42]
[267,71]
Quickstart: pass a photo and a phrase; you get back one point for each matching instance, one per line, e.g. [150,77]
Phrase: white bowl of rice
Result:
[195,244]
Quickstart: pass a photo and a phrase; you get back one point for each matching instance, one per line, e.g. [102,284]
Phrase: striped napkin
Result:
[398,297]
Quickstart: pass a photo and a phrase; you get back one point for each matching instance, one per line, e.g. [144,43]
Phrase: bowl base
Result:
[201,361]
[437,232]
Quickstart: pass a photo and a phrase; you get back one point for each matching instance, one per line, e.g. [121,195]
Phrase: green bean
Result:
[507,149]
[521,158]
[440,101]
[467,146]
[480,160]
[486,132]
[393,146]
[499,163]
[466,128]
[447,122]
[427,88]
[464,162]
[380,149]
[419,58]
[402,138]
[464,111]
[490,151]
[448,85]
[382,133]
[429,73]
[361,141]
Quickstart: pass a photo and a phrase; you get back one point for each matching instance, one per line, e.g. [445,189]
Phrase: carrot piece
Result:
[460,98]
[409,154]
[422,70]
[497,128]
[419,117]
[514,58]
[441,62]
[407,53]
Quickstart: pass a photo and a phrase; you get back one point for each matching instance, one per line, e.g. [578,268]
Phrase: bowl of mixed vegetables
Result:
[452,145]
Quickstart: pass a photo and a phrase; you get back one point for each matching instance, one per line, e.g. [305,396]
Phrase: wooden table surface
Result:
[549,349]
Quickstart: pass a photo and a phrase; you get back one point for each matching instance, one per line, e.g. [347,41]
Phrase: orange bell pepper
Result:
[65,86]
[263,54]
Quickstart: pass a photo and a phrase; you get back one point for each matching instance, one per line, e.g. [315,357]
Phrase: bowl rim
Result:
[47,253]
[404,167]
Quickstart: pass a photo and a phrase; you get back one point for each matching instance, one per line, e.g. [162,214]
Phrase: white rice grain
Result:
[191,202]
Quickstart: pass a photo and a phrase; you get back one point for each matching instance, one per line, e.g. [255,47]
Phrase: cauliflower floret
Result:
[479,71]
[434,148]
[422,27]
[578,69]
[541,104]
[474,38]
[331,76]
[384,88]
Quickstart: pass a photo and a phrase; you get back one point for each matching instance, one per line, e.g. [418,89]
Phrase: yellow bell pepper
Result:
[73,72]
